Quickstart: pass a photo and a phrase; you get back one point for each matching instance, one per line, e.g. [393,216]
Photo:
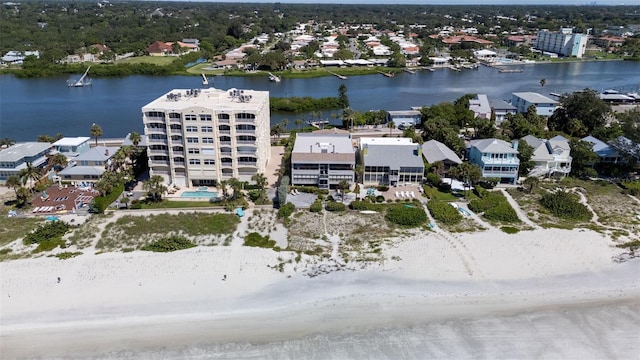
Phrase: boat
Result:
[503,70]
[83,81]
[273,78]
[338,75]
[205,81]
[409,71]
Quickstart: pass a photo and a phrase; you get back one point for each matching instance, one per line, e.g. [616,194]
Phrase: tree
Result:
[583,158]
[6,142]
[261,182]
[543,82]
[391,126]
[343,185]
[57,162]
[525,152]
[14,182]
[96,132]
[22,196]
[225,190]
[467,172]
[135,138]
[30,174]
[579,113]
[155,187]
[125,201]
[343,99]
[531,182]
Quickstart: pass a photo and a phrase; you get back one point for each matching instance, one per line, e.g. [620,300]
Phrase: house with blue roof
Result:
[607,153]
[497,159]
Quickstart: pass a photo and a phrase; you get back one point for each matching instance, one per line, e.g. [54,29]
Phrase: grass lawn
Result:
[136,231]
[201,69]
[14,228]
[156,60]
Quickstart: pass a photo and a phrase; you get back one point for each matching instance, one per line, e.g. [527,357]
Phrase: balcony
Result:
[157,141]
[226,164]
[154,130]
[224,132]
[246,121]
[247,152]
[246,142]
[224,121]
[245,131]
[154,118]
[247,163]
[176,131]
[178,152]
[158,152]
[222,143]
[178,163]
[159,163]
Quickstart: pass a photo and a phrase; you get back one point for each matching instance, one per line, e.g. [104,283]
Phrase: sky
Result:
[441,2]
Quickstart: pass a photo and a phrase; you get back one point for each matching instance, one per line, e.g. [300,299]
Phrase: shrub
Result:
[494,206]
[383,188]
[488,182]
[316,207]
[631,187]
[254,195]
[365,205]
[444,212]
[283,190]
[379,198]
[565,205]
[510,229]
[286,210]
[49,244]
[432,179]
[335,206]
[502,212]
[444,187]
[100,203]
[169,244]
[256,240]
[406,215]
[52,230]
[330,198]
[68,255]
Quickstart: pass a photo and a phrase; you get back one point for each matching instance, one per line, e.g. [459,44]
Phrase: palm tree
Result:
[6,142]
[298,122]
[135,138]
[57,162]
[223,186]
[531,182]
[392,126]
[96,132]
[155,187]
[343,185]
[30,174]
[14,182]
[22,196]
[261,182]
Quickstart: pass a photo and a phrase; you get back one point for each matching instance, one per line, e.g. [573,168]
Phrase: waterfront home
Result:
[404,118]
[613,152]
[552,157]
[17,57]
[322,159]
[501,109]
[199,137]
[480,106]
[15,157]
[89,165]
[72,146]
[523,100]
[434,150]
[485,55]
[391,161]
[497,159]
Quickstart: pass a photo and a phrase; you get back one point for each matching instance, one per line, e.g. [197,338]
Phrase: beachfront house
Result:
[199,137]
[322,159]
[501,109]
[434,151]
[15,158]
[72,146]
[391,161]
[523,100]
[607,153]
[405,118]
[89,165]
[551,157]
[497,159]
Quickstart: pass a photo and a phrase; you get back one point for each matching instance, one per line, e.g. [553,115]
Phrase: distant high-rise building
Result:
[201,137]
[563,42]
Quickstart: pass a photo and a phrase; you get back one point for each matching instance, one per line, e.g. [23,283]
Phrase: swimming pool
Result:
[199,194]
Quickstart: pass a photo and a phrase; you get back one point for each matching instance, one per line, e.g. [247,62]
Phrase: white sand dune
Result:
[549,293]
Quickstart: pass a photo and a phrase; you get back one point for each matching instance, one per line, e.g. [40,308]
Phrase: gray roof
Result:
[534,98]
[98,153]
[82,170]
[393,156]
[540,150]
[22,150]
[493,146]
[404,113]
[500,105]
[311,143]
[434,150]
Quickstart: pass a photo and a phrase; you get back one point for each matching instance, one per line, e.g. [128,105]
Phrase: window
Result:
[208,151]
[190,117]
[223,116]
[192,140]
[192,129]
[205,117]
[206,129]
[209,161]
[194,151]
[157,114]
[174,116]
[207,140]
[245,116]
[194,161]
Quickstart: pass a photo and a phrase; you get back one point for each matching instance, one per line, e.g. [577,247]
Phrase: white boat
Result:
[273,78]
[205,81]
[83,81]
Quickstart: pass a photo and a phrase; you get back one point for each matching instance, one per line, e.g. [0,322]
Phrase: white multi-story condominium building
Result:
[322,159]
[201,137]
[563,42]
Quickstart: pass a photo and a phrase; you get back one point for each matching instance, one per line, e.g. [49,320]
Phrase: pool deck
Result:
[61,200]
[177,195]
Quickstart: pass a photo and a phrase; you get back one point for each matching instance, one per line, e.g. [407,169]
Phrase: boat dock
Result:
[342,77]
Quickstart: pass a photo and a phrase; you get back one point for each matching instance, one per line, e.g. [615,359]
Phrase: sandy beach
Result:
[543,293]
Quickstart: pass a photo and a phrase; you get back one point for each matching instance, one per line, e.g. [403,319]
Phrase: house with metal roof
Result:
[523,100]
[322,160]
[497,159]
[404,118]
[552,157]
[392,163]
[72,146]
[480,106]
[90,165]
[607,153]
[501,109]
[15,158]
[434,151]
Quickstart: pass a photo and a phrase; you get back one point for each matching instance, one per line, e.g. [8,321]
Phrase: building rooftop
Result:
[395,156]
[480,104]
[404,113]
[534,98]
[72,141]
[434,150]
[211,98]
[82,170]
[317,147]
[494,146]
[98,153]
[501,105]
[22,150]
[385,141]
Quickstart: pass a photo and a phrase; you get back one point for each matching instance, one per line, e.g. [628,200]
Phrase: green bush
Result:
[565,205]
[488,182]
[510,229]
[631,187]
[494,206]
[169,244]
[52,230]
[286,210]
[365,205]
[502,212]
[316,207]
[68,255]
[379,198]
[433,179]
[335,206]
[444,212]
[254,195]
[100,203]
[256,240]
[382,188]
[406,215]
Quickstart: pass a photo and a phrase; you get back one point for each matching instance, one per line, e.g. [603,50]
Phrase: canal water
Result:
[30,107]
